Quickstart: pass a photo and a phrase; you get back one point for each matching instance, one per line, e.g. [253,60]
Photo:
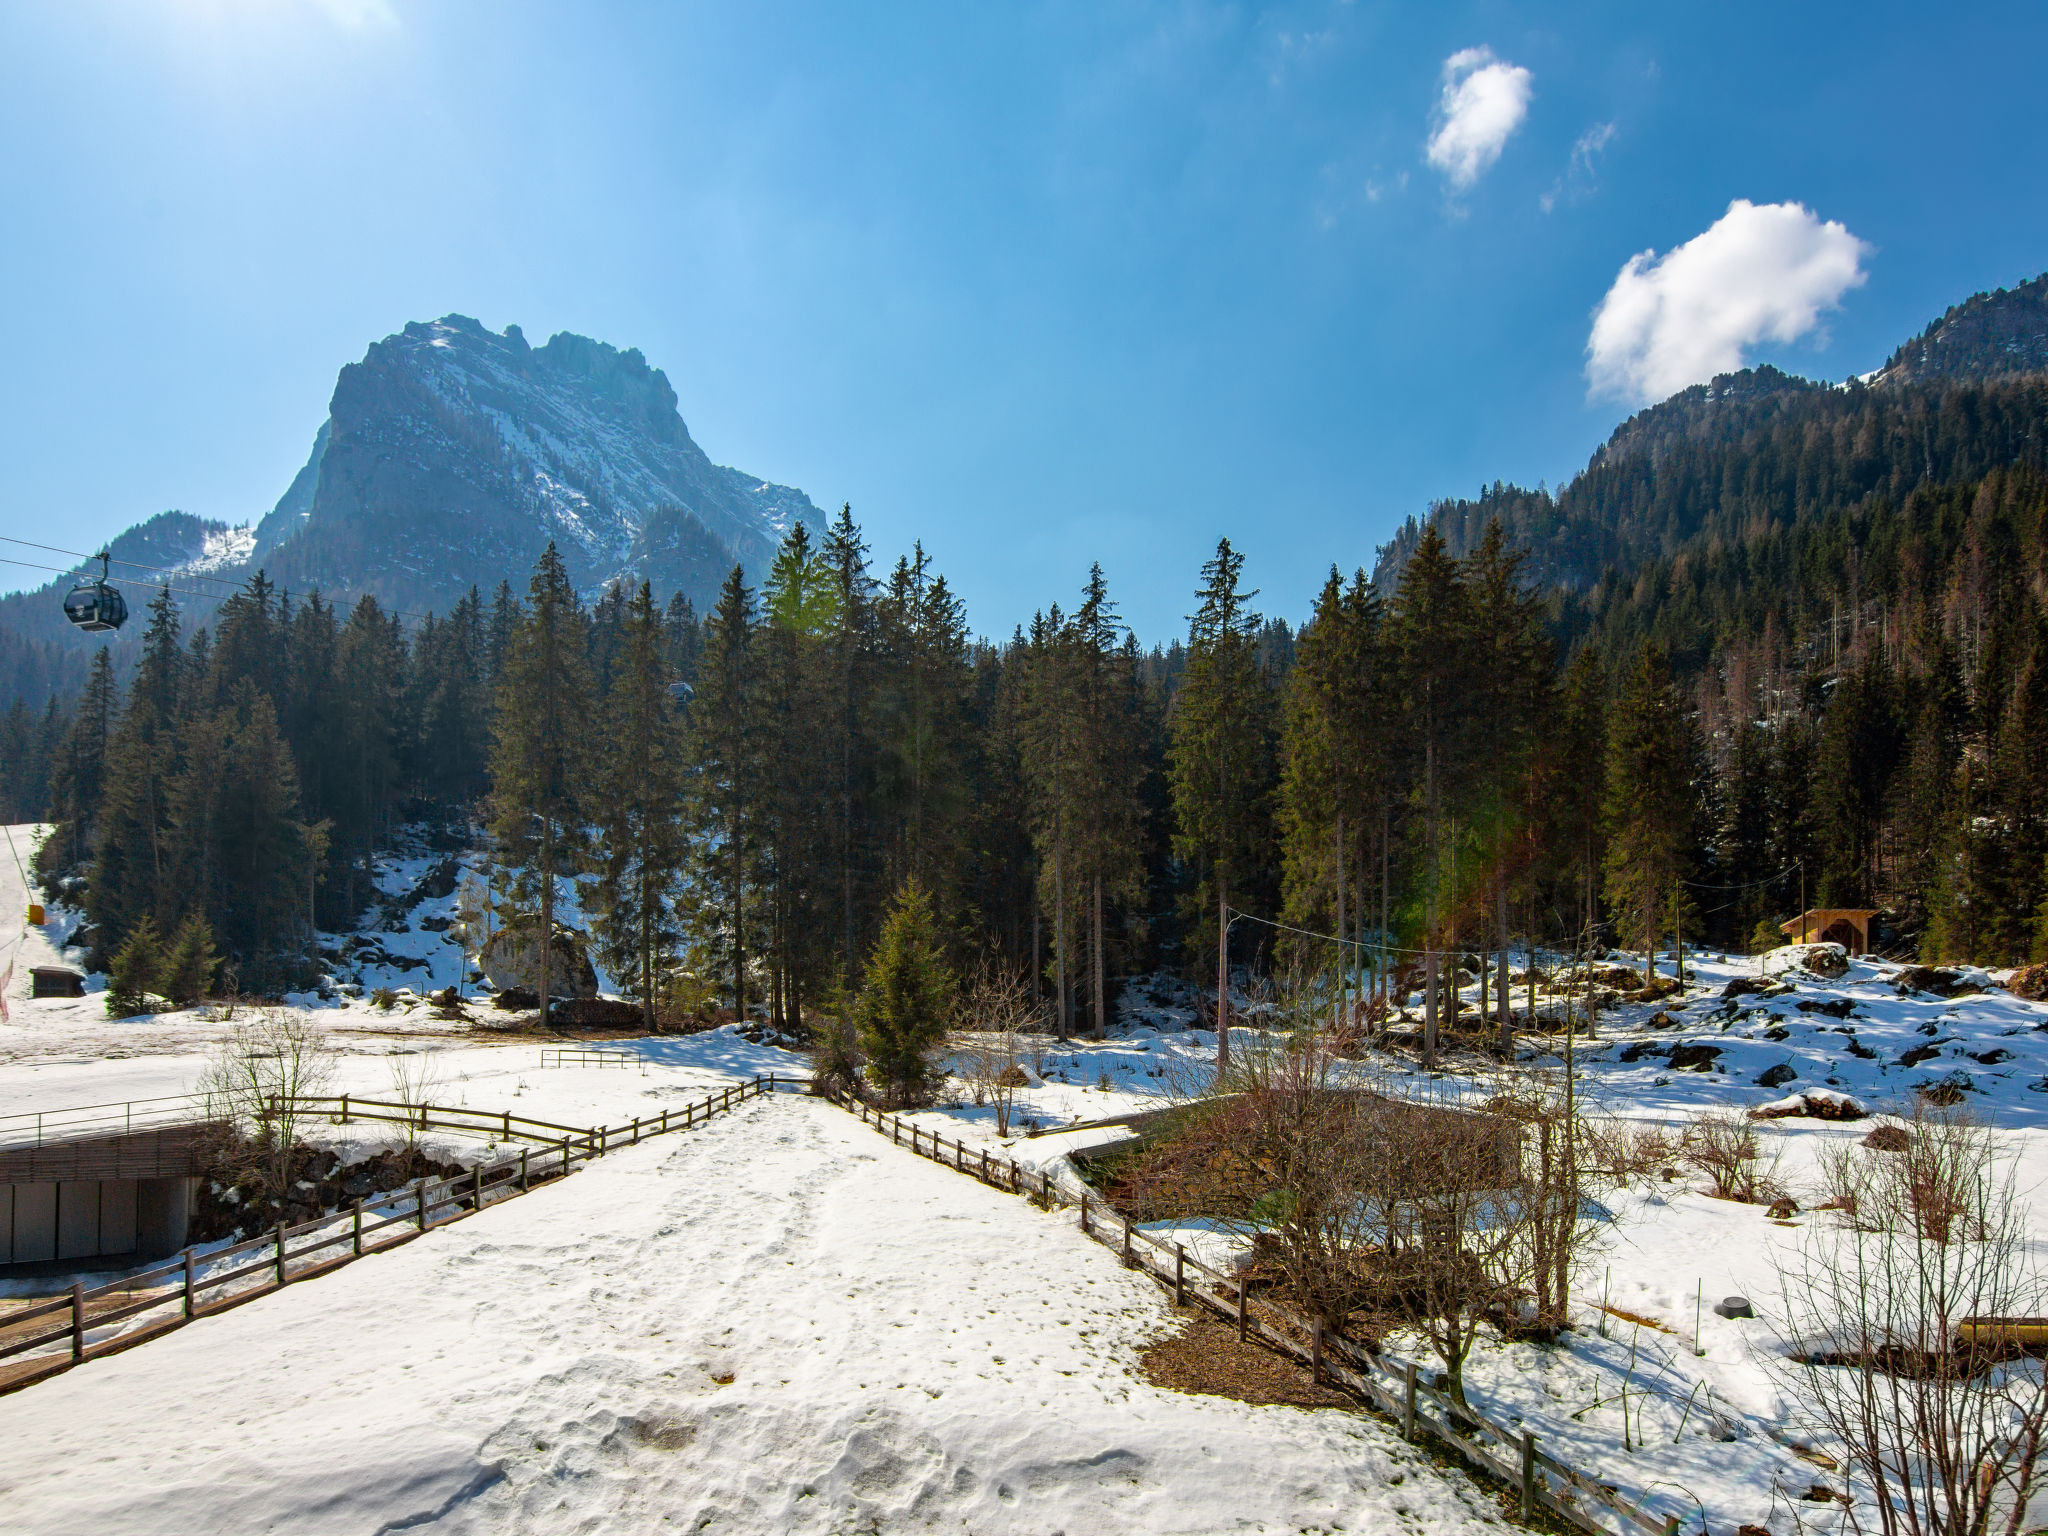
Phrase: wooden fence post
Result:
[280,1253]
[420,1200]
[344,1109]
[1243,1315]
[1408,1402]
[355,1244]
[1315,1351]
[508,1125]
[565,1154]
[523,1184]
[78,1319]
[1528,1475]
[636,1130]
[1127,1241]
[478,1170]
[1084,1215]
[191,1299]
[1180,1274]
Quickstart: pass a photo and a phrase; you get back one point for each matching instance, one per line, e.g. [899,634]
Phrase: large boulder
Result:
[1824,960]
[512,959]
[1934,979]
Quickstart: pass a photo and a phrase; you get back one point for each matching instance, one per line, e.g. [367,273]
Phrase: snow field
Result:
[776,1322]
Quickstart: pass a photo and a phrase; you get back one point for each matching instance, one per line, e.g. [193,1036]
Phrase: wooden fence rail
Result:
[181,1290]
[1394,1387]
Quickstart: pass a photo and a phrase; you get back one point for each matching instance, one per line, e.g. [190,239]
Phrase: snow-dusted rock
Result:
[1826,960]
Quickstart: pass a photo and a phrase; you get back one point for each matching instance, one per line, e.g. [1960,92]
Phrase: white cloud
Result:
[1762,272]
[1484,101]
[1581,173]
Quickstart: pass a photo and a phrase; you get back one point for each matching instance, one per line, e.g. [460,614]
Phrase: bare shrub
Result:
[995,1012]
[1739,1160]
[416,1077]
[1628,1150]
[1939,1416]
[256,1079]
[1565,1157]
[1922,1180]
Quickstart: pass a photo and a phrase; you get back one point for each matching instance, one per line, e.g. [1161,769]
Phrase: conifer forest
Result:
[1819,679]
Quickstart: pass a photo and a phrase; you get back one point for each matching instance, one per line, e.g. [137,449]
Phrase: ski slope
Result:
[775,1323]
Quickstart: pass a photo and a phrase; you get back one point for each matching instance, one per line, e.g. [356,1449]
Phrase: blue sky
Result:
[1039,284]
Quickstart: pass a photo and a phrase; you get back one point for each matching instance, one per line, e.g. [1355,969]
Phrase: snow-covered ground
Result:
[774,1323]
[552,1364]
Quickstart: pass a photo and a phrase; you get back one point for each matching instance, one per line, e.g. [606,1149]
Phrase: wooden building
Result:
[1846,926]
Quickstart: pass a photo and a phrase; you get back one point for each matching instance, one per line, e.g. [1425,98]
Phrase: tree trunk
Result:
[1337,1001]
[1059,929]
[547,910]
[1037,952]
[739,924]
[1507,1006]
[1101,1003]
[1222,974]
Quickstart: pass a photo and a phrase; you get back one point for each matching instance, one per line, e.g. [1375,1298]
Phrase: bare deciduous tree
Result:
[255,1080]
[1739,1157]
[1940,1417]
[995,1012]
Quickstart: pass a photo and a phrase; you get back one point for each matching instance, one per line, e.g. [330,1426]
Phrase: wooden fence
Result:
[193,1285]
[588,1056]
[1393,1387]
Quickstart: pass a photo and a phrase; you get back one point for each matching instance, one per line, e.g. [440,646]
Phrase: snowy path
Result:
[905,1349]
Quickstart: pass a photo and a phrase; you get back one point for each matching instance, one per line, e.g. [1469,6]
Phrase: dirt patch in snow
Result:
[1203,1356]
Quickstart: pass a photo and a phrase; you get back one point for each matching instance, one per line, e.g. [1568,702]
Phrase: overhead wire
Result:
[167,570]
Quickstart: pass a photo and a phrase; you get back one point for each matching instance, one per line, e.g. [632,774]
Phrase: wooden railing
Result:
[1393,1387]
[588,1056]
[195,1285]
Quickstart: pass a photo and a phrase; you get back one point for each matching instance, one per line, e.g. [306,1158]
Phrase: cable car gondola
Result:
[96,606]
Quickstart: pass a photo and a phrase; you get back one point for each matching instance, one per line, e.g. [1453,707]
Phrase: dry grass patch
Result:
[1202,1355]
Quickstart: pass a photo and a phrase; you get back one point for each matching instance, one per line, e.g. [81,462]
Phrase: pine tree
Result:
[725,777]
[1111,817]
[189,966]
[78,775]
[1860,748]
[540,759]
[131,849]
[1048,710]
[136,972]
[908,998]
[1433,636]
[639,805]
[1649,808]
[1221,759]
[800,613]
[849,664]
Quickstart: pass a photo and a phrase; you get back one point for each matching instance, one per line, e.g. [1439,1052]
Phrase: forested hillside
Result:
[1807,663]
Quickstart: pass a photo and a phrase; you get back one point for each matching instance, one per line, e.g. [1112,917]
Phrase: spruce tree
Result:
[907,999]
[800,613]
[1433,637]
[849,667]
[726,779]
[1221,758]
[638,806]
[189,965]
[136,972]
[540,763]
[1649,808]
[78,775]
